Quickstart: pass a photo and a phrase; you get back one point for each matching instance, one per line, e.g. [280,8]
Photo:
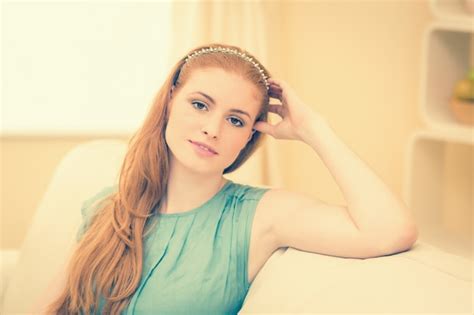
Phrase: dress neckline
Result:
[197,209]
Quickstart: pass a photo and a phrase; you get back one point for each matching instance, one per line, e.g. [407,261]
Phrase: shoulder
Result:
[280,198]
[262,200]
[244,192]
[89,205]
[269,198]
[278,205]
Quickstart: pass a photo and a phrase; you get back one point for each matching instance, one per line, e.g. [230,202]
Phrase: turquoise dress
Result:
[195,262]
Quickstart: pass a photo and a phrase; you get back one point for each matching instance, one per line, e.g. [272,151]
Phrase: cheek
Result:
[174,128]
[179,120]
[235,145]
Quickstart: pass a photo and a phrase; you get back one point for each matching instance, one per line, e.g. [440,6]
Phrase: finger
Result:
[278,88]
[281,84]
[274,81]
[286,92]
[275,89]
[264,127]
[277,109]
[274,94]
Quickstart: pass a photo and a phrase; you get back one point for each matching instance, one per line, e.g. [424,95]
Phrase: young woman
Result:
[174,236]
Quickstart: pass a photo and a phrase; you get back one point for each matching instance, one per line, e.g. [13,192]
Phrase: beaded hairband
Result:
[230,51]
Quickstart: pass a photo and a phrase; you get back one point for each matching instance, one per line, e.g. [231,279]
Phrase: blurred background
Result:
[392,77]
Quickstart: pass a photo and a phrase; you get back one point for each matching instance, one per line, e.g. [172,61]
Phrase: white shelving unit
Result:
[439,165]
[450,10]
[446,56]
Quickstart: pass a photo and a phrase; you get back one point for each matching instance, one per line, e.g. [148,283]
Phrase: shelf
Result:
[439,161]
[438,188]
[447,54]
[450,9]
[443,136]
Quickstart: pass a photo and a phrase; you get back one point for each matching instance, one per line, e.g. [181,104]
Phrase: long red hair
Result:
[109,256]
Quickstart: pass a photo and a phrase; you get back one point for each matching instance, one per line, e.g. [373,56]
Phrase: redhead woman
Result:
[176,237]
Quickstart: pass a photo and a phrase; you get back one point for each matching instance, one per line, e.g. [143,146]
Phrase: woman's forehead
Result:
[223,87]
[211,77]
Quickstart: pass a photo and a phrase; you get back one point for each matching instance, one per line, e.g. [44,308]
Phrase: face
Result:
[223,122]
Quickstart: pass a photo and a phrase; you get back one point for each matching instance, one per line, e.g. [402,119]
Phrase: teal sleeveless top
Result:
[195,262]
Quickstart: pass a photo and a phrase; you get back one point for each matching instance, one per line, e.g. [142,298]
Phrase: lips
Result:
[204,145]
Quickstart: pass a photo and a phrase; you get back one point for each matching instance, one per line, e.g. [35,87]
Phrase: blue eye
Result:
[240,123]
[195,102]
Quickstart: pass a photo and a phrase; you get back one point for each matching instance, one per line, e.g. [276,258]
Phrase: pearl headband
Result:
[234,52]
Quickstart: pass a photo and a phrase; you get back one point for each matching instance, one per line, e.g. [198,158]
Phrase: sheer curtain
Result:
[236,23]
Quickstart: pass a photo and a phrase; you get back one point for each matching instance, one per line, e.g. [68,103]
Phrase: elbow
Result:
[409,238]
[403,241]
[411,234]
[395,241]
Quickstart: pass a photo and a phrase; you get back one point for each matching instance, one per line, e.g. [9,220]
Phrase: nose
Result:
[212,126]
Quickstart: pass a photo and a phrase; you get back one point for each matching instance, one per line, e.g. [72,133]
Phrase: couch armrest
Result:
[8,260]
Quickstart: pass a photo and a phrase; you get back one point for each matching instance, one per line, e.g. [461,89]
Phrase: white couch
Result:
[425,279]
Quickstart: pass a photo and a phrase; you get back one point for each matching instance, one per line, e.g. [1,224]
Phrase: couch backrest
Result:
[82,172]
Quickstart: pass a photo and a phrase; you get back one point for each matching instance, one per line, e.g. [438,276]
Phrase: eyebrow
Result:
[235,110]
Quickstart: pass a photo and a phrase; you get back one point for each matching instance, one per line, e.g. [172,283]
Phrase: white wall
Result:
[81,68]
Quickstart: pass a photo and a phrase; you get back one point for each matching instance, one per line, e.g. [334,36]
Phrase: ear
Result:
[250,137]
[171,92]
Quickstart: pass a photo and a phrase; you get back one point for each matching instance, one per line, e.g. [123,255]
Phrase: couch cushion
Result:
[423,279]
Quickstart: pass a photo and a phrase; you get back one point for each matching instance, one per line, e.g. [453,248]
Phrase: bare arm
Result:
[374,208]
